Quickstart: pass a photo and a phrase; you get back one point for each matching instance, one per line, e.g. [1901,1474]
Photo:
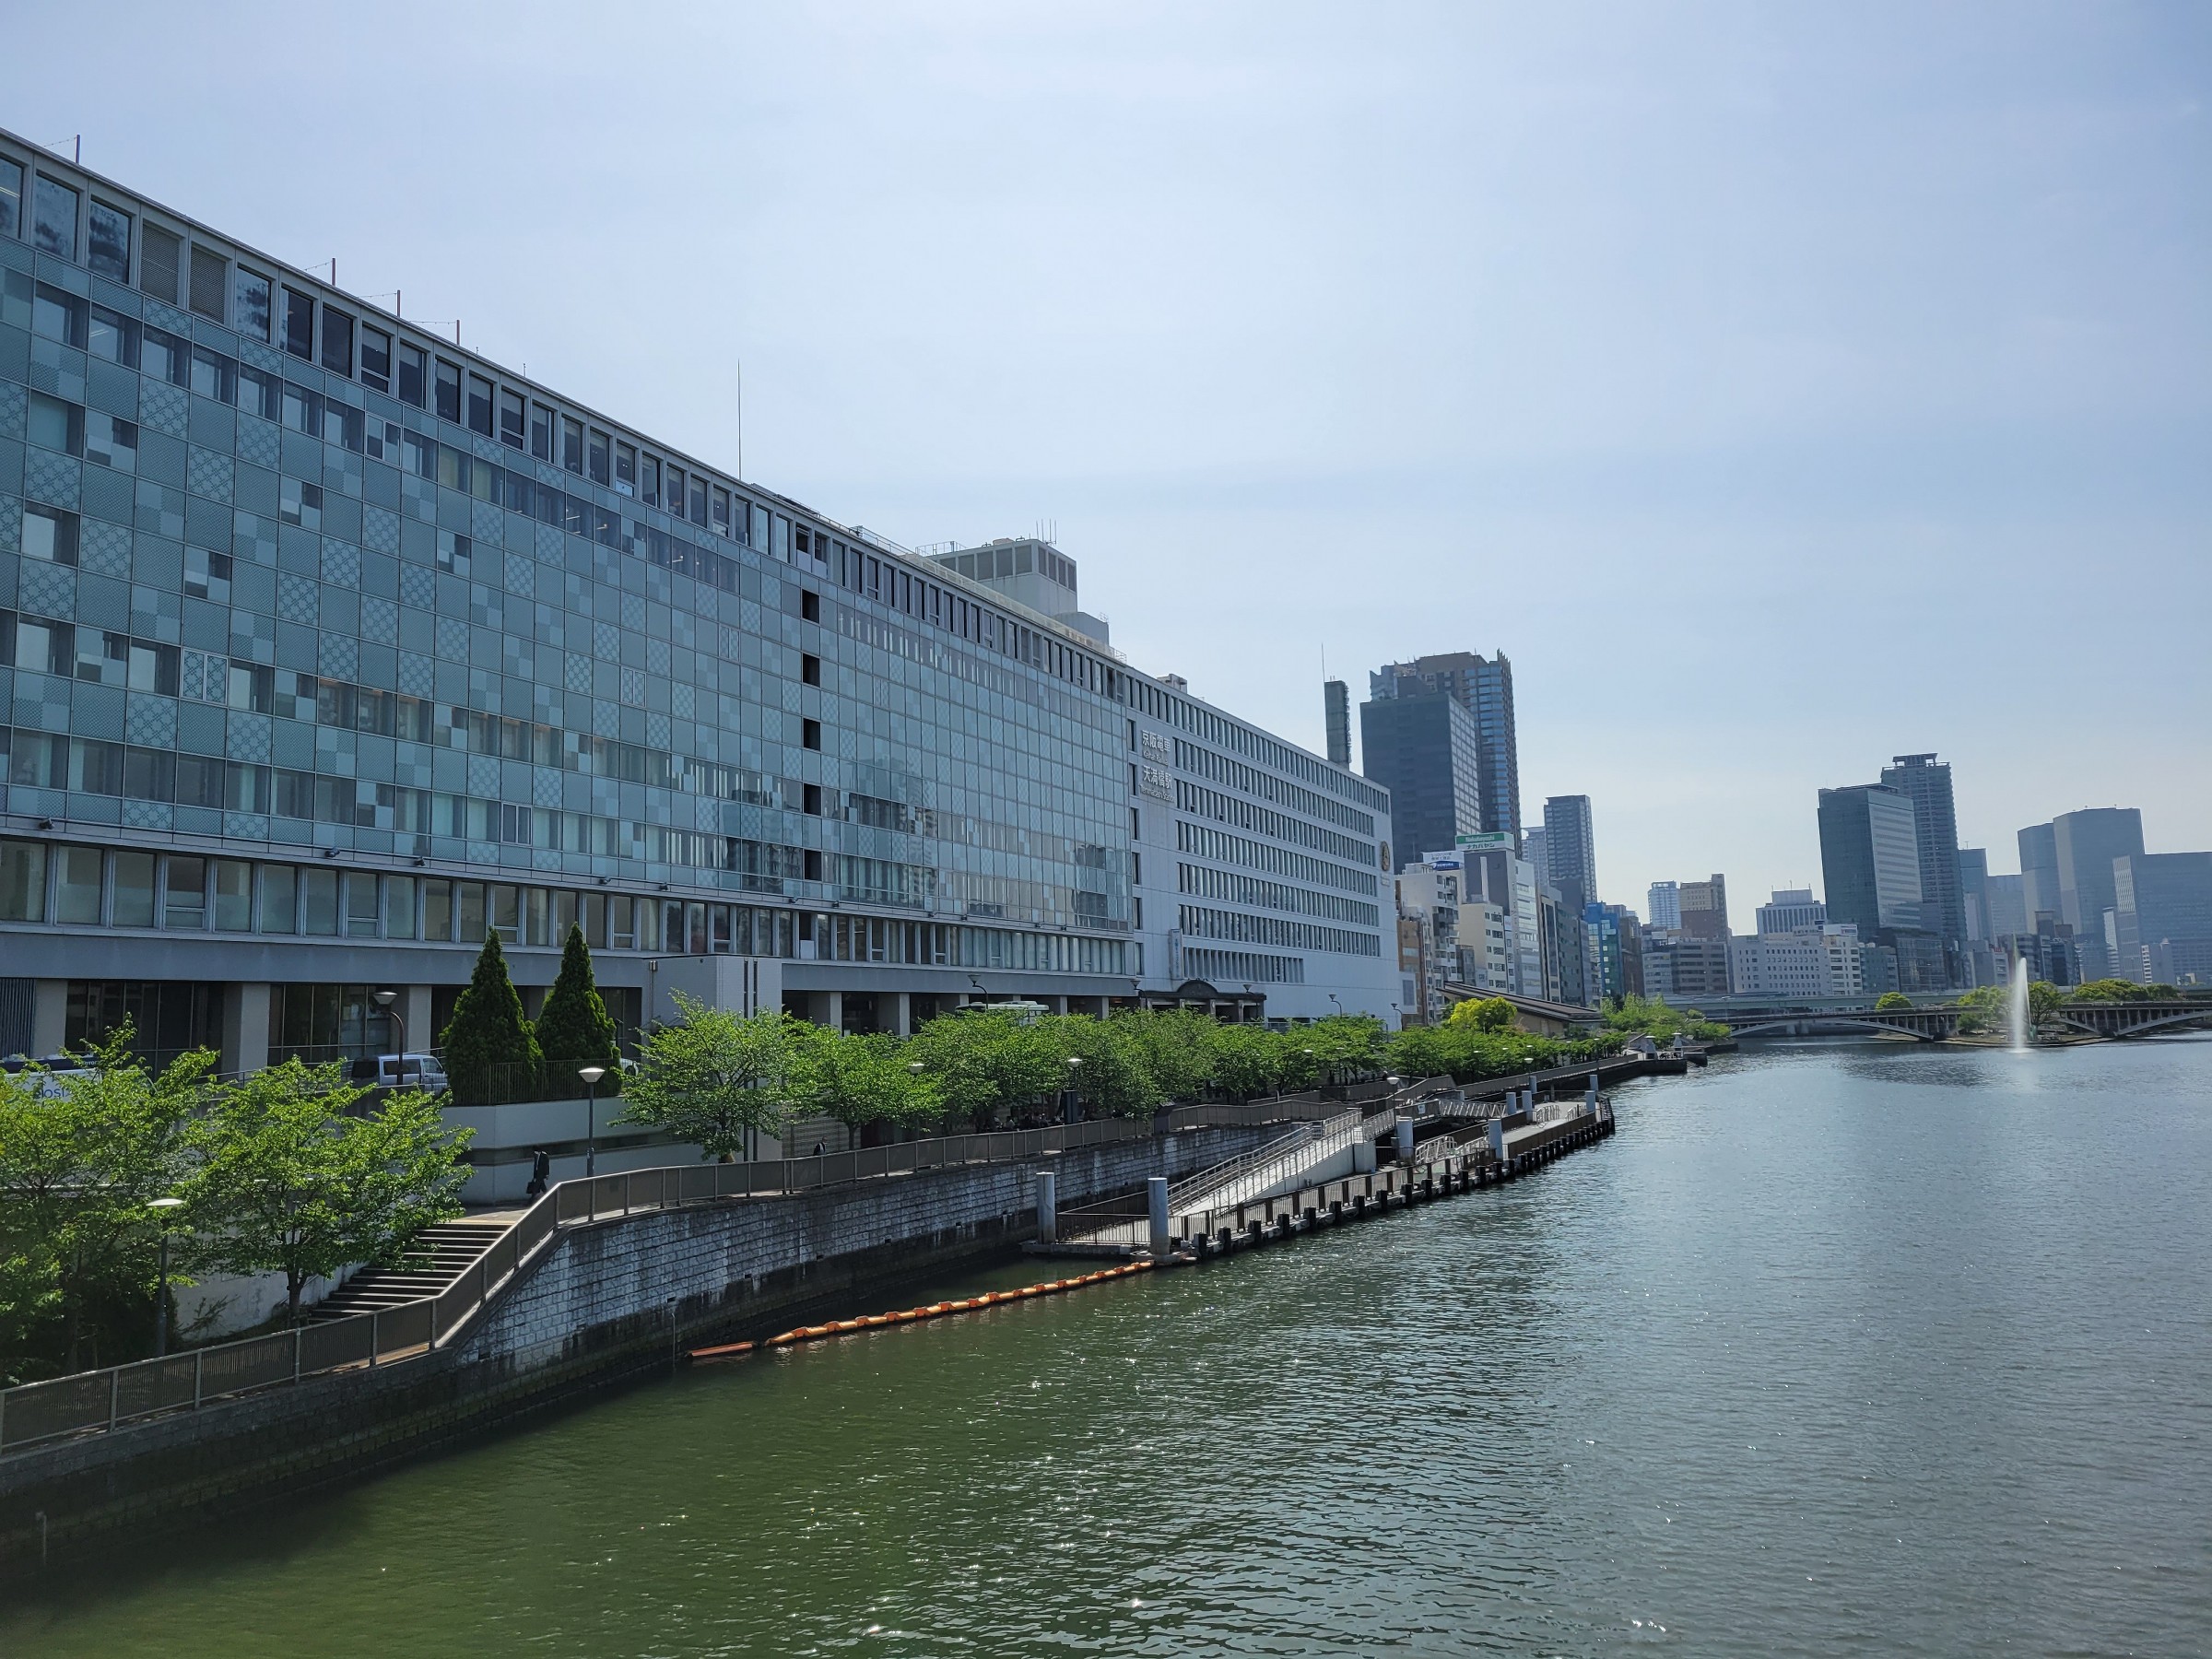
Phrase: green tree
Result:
[1890,1001]
[859,1077]
[1114,1077]
[1180,1047]
[573,1028]
[2043,1000]
[1656,1018]
[1485,1013]
[81,1156]
[1249,1060]
[292,1180]
[711,1075]
[2111,991]
[491,1054]
[985,1063]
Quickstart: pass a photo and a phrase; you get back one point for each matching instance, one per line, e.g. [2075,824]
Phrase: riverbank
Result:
[597,1305]
[1834,1349]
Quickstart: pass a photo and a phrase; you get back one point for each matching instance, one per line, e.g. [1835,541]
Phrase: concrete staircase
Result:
[438,1256]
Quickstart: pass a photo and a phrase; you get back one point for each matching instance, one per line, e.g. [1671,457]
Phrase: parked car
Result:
[401,1071]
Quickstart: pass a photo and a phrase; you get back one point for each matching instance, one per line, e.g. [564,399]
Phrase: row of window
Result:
[1230,967]
[344,344]
[1224,848]
[1161,704]
[1201,922]
[1267,787]
[1203,883]
[95,887]
[1262,820]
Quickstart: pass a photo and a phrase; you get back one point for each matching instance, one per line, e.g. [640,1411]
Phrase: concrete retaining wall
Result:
[606,1302]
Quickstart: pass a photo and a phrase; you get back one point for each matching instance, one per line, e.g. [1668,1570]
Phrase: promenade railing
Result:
[95,1401]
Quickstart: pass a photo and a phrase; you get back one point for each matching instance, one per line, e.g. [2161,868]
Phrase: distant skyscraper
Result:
[1336,716]
[2007,900]
[1927,782]
[1484,687]
[1791,909]
[1870,858]
[1705,908]
[1533,844]
[2038,874]
[2087,842]
[1570,850]
[1664,899]
[2161,899]
[1421,744]
[1973,890]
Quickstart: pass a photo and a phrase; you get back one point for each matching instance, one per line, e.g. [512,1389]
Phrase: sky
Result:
[1782,388]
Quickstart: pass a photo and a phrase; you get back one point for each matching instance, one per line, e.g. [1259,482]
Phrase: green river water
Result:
[1832,1350]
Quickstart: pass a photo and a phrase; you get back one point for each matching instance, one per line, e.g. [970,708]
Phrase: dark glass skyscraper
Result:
[1484,687]
[1927,782]
[1421,744]
[1570,850]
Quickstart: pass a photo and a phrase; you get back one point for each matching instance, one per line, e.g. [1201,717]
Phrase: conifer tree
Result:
[491,1054]
[574,1030]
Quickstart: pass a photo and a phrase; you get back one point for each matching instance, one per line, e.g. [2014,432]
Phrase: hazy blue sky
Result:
[1780,388]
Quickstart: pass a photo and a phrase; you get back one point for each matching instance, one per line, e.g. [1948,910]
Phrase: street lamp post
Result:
[161,1207]
[1074,1070]
[384,1000]
[591,1076]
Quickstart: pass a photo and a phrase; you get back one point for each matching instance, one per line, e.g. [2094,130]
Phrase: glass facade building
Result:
[327,646]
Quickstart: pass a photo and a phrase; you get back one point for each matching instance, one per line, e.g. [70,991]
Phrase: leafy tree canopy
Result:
[711,1075]
[292,1180]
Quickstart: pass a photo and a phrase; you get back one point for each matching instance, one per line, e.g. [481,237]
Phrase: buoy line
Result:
[873,1322]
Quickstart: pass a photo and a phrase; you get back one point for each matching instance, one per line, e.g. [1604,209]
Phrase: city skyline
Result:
[1899,398]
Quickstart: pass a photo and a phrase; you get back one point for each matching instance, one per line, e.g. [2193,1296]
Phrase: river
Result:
[1834,1349]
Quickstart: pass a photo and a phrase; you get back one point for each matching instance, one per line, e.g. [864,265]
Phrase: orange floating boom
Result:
[990,1299]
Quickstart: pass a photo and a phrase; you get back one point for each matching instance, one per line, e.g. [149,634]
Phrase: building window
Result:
[249,300]
[299,324]
[376,358]
[452,552]
[11,205]
[209,271]
[184,893]
[414,367]
[722,510]
[599,470]
[160,257]
[541,431]
[279,898]
[337,341]
[625,469]
[54,231]
[108,242]
[650,491]
[510,419]
[810,734]
[58,315]
[111,440]
[479,405]
[449,391]
[131,900]
[49,533]
[571,444]
[698,500]
[233,895]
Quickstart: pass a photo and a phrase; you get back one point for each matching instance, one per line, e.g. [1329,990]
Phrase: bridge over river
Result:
[1935,1023]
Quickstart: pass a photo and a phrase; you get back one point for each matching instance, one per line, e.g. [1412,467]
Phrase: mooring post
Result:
[1047,1206]
[1156,1196]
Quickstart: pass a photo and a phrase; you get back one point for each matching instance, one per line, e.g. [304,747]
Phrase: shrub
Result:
[491,1054]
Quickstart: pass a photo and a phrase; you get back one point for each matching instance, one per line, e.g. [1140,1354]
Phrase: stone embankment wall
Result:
[609,1301]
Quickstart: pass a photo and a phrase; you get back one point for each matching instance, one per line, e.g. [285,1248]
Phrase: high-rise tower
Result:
[1484,687]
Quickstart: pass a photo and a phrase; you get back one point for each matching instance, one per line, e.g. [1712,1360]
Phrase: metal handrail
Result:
[105,1399]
